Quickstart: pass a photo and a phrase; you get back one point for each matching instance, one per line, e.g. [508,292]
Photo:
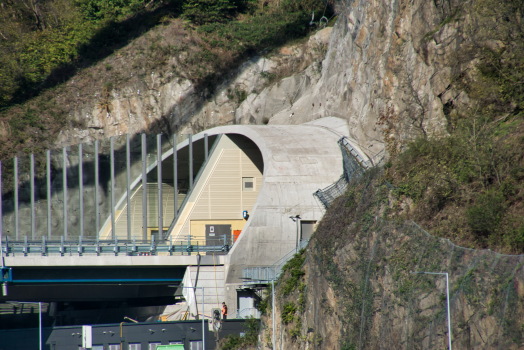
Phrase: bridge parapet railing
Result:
[135,247]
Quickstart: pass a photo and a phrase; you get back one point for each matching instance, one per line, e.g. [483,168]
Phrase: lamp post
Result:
[272,302]
[447,298]
[40,324]
[203,327]
[296,219]
[273,312]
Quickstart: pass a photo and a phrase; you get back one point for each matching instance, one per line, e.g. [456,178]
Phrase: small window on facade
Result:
[248,184]
[135,346]
[153,346]
[97,347]
[114,346]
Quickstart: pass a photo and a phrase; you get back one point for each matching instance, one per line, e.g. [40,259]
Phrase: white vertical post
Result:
[203,328]
[128,173]
[175,174]
[97,216]
[449,314]
[64,188]
[447,299]
[81,188]
[16,197]
[40,324]
[48,181]
[190,161]
[273,312]
[112,167]
[296,249]
[32,179]
[159,185]
[144,187]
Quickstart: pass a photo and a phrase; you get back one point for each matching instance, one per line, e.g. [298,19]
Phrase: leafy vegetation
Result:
[250,338]
[46,47]
[369,269]
[265,304]
[468,186]
[288,312]
[294,267]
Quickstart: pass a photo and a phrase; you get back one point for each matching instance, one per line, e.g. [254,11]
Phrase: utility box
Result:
[215,236]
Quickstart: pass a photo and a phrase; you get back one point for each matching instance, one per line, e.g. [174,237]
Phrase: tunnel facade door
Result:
[215,236]
[307,227]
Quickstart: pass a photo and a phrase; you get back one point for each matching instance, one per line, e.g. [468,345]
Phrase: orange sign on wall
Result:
[236,233]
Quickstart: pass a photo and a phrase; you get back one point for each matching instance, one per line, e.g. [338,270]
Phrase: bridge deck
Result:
[108,260]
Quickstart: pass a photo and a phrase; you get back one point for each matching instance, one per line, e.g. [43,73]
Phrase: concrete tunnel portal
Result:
[254,179]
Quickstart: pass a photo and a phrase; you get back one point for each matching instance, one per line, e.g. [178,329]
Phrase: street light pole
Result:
[40,324]
[203,325]
[447,298]
[273,300]
[296,219]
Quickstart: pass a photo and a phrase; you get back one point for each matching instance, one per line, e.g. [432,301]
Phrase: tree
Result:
[209,11]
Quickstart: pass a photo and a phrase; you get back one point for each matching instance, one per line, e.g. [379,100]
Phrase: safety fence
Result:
[264,274]
[81,247]
[87,190]
[246,313]
[354,165]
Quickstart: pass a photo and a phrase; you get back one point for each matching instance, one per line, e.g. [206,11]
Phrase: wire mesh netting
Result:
[368,262]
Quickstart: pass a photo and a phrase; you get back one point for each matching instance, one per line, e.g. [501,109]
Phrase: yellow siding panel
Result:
[222,197]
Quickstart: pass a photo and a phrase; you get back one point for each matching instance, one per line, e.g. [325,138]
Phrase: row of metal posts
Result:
[112,170]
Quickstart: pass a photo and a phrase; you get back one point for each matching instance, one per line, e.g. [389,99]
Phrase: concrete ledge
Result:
[175,260]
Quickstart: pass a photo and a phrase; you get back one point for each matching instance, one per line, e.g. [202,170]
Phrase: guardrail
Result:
[111,247]
[344,141]
[353,164]
[264,274]
[247,313]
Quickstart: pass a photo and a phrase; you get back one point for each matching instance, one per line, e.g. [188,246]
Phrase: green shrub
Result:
[288,312]
[484,217]
[293,266]
[209,11]
[264,304]
[99,10]
[250,338]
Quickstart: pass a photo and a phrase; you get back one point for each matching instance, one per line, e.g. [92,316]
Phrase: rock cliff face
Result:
[138,99]
[392,58]
[385,54]
[359,292]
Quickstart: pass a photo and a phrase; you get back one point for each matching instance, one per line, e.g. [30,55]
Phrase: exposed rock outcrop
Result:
[359,292]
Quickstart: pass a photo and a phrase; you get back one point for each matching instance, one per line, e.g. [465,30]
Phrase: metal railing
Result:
[264,274]
[344,142]
[115,247]
[327,195]
[353,164]
[107,168]
[247,313]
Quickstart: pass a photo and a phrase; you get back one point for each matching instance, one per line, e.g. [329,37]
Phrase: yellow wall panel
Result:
[221,196]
